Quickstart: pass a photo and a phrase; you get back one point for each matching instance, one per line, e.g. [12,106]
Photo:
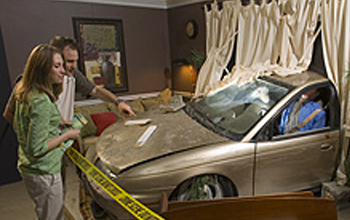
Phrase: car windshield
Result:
[234,110]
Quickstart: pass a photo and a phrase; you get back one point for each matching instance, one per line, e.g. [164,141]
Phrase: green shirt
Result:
[36,121]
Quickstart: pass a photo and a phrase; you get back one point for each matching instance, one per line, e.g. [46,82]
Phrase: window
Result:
[313,110]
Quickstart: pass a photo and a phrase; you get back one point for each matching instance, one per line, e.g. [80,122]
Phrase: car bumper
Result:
[113,208]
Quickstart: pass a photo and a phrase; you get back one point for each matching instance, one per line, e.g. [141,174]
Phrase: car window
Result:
[318,112]
[235,109]
[303,114]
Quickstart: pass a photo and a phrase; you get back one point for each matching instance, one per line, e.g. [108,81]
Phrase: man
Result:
[76,81]
[9,110]
[303,115]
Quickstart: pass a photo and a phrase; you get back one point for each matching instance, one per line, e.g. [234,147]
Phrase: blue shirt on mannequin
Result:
[307,108]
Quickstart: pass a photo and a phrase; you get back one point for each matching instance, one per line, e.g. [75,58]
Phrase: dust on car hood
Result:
[175,132]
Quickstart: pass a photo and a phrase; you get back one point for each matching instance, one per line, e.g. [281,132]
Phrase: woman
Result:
[36,122]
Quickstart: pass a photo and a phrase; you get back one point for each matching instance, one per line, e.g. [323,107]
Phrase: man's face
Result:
[70,59]
[310,95]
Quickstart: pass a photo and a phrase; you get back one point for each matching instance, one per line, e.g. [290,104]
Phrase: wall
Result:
[28,23]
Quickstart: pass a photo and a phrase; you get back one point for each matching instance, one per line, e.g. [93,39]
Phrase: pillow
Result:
[90,128]
[165,96]
[113,108]
[150,103]
[154,102]
[103,120]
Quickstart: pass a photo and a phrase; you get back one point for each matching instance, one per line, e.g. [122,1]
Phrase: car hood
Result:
[175,132]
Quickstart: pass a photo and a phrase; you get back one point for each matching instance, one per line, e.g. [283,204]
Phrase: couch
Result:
[101,115]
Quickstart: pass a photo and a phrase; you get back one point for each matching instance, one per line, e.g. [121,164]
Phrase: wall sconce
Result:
[188,75]
[194,76]
[184,76]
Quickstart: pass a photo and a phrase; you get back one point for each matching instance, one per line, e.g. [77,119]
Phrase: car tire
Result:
[97,211]
[204,187]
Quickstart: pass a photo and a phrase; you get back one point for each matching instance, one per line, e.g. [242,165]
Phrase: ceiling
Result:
[160,4]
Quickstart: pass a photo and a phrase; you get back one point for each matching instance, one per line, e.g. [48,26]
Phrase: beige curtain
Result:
[257,45]
[258,27]
[275,37]
[286,33]
[221,30]
[297,30]
[336,51]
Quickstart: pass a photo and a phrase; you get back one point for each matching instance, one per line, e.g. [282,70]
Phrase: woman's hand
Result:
[72,134]
[69,134]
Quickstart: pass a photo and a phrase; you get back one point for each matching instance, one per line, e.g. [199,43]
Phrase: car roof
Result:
[299,79]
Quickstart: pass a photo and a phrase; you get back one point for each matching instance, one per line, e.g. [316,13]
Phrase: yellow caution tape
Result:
[134,207]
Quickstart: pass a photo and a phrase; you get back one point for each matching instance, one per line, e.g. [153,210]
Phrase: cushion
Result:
[90,128]
[150,103]
[136,105]
[103,120]
[154,102]
[165,96]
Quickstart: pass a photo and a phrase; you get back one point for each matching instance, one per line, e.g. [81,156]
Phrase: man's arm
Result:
[9,111]
[107,96]
[8,116]
[85,87]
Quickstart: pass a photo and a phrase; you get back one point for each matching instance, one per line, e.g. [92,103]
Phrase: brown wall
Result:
[27,23]
[154,38]
[180,44]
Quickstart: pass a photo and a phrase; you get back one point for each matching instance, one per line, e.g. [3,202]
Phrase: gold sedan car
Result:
[236,141]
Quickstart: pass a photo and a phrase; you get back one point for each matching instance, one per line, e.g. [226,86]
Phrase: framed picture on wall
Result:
[102,54]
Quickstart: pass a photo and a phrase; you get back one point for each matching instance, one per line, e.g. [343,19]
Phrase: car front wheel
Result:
[204,187]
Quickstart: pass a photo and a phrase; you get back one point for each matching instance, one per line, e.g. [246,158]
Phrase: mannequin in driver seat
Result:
[303,115]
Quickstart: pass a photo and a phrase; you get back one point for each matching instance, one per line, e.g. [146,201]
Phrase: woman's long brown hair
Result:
[36,73]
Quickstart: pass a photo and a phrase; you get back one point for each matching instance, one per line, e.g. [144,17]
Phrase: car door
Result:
[301,160]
